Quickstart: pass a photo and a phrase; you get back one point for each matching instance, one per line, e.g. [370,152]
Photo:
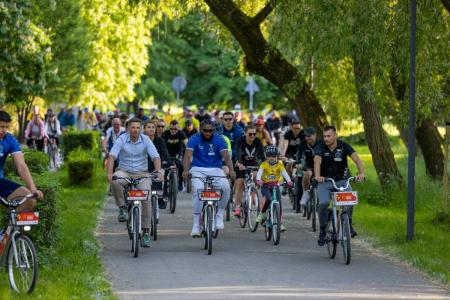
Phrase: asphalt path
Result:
[244,265]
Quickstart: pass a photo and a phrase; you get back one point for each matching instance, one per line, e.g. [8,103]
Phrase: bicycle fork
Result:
[138,206]
[16,254]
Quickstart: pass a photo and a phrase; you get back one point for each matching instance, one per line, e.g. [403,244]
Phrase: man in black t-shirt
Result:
[176,142]
[330,161]
[305,159]
[290,143]
[249,152]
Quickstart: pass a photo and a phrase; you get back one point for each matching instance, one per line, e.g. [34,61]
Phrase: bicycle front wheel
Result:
[276,223]
[23,268]
[345,236]
[136,231]
[330,237]
[154,219]
[243,214]
[173,191]
[209,228]
[314,204]
[253,208]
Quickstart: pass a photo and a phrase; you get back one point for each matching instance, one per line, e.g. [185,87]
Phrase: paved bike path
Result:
[245,266]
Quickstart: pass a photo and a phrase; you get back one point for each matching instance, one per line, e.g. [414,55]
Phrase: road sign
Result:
[178,85]
[251,88]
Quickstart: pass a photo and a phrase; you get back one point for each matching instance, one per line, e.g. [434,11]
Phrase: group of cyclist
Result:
[219,144]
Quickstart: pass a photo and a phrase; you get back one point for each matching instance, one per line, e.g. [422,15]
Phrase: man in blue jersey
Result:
[207,149]
[9,189]
[231,130]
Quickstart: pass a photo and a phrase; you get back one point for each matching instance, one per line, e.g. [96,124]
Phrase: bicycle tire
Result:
[276,224]
[26,250]
[209,229]
[136,230]
[173,192]
[268,227]
[330,238]
[243,214]
[253,208]
[154,220]
[298,195]
[228,209]
[346,238]
[188,185]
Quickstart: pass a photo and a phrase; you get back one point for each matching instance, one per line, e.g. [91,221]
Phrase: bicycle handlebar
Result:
[16,202]
[340,188]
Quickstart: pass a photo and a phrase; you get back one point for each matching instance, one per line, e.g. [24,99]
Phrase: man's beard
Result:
[207,139]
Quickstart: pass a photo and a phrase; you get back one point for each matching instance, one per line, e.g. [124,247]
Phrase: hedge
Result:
[87,140]
[37,162]
[46,233]
[81,166]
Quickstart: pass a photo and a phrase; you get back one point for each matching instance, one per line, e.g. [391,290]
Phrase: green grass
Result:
[74,271]
[381,217]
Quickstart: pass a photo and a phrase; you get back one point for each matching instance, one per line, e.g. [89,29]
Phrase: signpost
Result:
[251,88]
[178,85]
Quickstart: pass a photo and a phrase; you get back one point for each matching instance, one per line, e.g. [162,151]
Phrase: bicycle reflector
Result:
[345,198]
[27,218]
[137,195]
[210,195]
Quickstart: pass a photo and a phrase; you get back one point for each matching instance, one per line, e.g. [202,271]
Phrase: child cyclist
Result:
[270,174]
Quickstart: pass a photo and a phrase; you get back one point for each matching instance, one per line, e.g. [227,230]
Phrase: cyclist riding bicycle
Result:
[231,130]
[35,132]
[249,152]
[306,152]
[207,149]
[176,141]
[9,189]
[132,149]
[330,161]
[112,134]
[52,127]
[271,173]
[289,146]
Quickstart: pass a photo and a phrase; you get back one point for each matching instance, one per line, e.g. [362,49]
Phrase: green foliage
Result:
[188,46]
[86,140]
[81,166]
[36,161]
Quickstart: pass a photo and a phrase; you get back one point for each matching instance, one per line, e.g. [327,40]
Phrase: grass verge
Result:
[74,271]
[381,218]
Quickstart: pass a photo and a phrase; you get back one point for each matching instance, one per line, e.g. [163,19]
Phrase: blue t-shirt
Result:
[234,134]
[8,145]
[207,153]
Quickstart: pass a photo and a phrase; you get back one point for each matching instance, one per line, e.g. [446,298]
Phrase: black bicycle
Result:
[17,252]
[172,188]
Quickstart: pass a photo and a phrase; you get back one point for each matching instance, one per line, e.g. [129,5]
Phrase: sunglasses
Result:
[227,119]
[251,133]
[207,130]
[161,126]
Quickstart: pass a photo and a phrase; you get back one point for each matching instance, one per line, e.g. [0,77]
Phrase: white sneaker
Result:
[219,219]
[305,198]
[196,227]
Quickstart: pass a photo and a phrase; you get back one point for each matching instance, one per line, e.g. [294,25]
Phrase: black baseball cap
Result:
[309,131]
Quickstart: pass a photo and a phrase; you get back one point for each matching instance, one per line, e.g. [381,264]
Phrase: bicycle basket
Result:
[345,198]
[137,195]
[26,218]
[210,195]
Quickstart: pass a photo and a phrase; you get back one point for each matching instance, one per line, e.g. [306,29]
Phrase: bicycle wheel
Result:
[22,273]
[136,231]
[243,215]
[188,185]
[253,208]
[209,228]
[228,207]
[268,227]
[314,205]
[154,219]
[173,191]
[330,238]
[345,242]
[276,224]
[298,195]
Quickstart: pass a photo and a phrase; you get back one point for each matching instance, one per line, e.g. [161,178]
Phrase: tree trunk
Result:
[266,60]
[430,142]
[382,155]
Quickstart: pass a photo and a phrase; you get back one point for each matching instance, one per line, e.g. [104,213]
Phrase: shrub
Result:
[81,166]
[87,140]
[37,163]
[46,233]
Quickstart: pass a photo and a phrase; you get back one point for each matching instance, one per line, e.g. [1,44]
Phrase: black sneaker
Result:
[161,203]
[322,234]
[353,233]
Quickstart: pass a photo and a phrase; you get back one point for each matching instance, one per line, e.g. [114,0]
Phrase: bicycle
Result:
[133,200]
[272,222]
[312,205]
[52,152]
[17,252]
[250,202]
[155,194]
[230,203]
[338,227]
[172,189]
[297,191]
[210,197]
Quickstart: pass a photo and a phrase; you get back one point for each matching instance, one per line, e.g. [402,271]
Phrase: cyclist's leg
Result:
[117,188]
[11,190]
[197,205]
[224,185]
[324,193]
[267,198]
[307,174]
[40,145]
[180,172]
[239,187]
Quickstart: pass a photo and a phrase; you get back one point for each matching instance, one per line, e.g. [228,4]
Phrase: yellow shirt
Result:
[195,122]
[272,173]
